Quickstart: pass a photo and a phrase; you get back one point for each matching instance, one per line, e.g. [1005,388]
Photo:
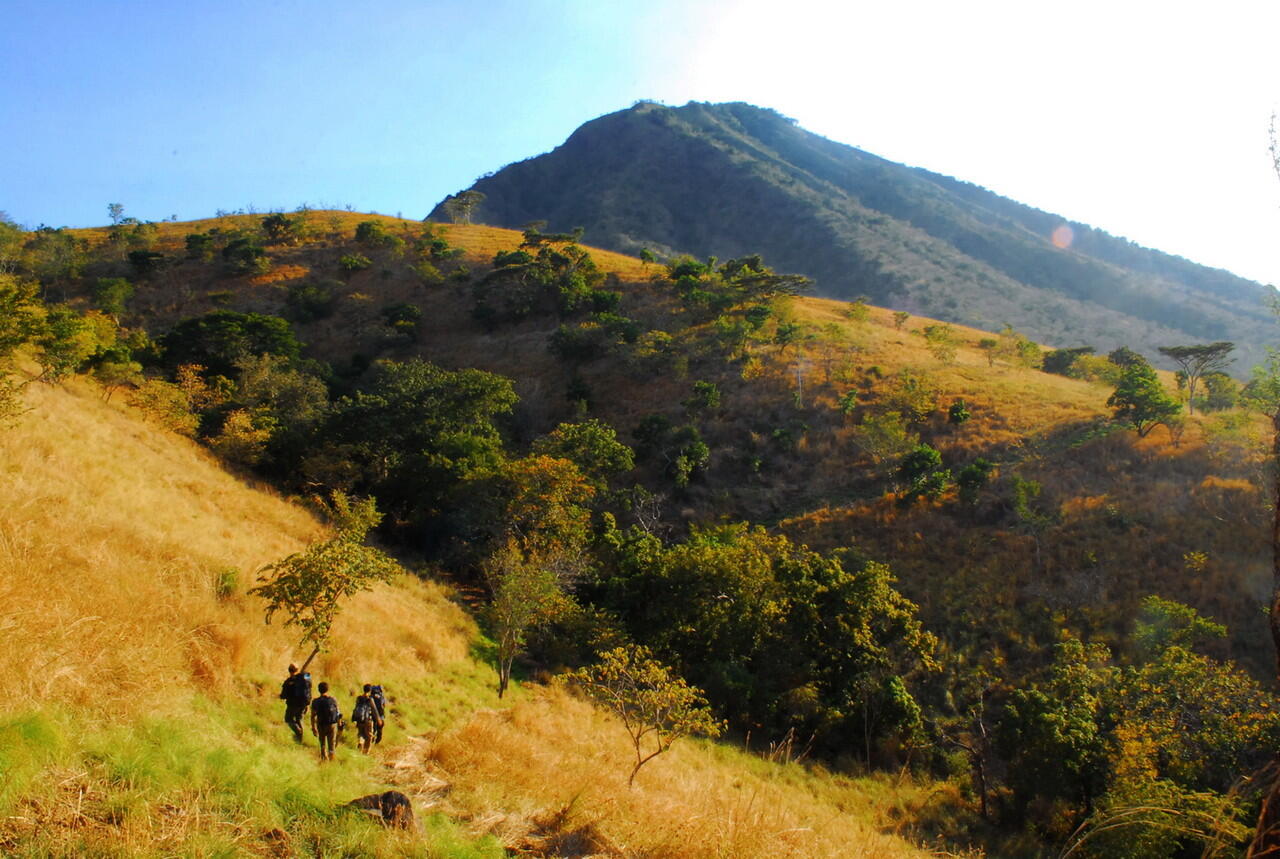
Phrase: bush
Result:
[245,256]
[309,301]
[354,262]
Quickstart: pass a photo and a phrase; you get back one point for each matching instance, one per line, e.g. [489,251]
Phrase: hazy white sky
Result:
[1146,119]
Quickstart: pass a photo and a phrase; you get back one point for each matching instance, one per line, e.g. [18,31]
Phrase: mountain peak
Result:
[728,179]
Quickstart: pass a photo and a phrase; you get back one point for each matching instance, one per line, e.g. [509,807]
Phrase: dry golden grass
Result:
[551,774]
[479,242]
[115,540]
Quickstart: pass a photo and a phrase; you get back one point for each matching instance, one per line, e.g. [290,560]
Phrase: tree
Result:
[545,274]
[884,437]
[115,373]
[1140,400]
[308,587]
[921,473]
[914,395]
[1016,349]
[218,339]
[1198,360]
[526,592]
[656,706]
[900,318]
[972,478]
[988,345]
[857,310]
[941,341]
[783,639]
[245,256]
[1123,356]
[1051,733]
[67,340]
[592,446]
[111,293]
[411,435]
[1061,361]
[280,228]
[115,211]
[705,397]
[546,527]
[373,234]
[461,205]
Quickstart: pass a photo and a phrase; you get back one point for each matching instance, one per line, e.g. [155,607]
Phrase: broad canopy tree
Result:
[1197,361]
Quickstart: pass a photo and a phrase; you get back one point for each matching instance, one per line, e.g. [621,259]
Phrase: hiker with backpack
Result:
[365,715]
[380,704]
[325,716]
[296,694]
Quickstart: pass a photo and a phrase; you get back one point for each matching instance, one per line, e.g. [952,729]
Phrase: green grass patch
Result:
[211,778]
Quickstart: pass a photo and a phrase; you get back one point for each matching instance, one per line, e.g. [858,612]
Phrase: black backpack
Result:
[326,710]
[379,701]
[297,690]
[363,711]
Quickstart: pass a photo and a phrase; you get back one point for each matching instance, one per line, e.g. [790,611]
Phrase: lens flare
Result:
[1063,237]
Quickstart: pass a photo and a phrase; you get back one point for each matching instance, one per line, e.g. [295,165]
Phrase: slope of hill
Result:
[786,440]
[742,403]
[137,692]
[732,179]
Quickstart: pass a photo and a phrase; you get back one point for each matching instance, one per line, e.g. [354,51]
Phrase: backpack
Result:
[326,710]
[363,711]
[379,700]
[297,690]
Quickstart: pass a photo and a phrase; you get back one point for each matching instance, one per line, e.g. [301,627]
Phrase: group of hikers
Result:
[368,714]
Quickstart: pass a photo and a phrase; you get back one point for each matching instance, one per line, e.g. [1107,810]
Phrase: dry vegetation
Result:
[557,770]
[124,557]
[137,691]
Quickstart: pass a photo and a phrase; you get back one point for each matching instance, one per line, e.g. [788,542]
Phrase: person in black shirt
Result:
[296,694]
[325,715]
[365,715]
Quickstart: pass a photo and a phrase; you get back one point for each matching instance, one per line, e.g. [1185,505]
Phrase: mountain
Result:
[733,179]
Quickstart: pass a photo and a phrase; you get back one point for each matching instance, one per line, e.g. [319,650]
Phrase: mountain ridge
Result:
[730,179]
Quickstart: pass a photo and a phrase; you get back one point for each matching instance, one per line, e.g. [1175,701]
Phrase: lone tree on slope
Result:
[1141,401]
[309,585]
[1198,361]
[655,706]
[460,205]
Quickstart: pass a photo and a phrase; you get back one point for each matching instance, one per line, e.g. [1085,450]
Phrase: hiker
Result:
[296,694]
[325,716]
[379,702]
[365,715]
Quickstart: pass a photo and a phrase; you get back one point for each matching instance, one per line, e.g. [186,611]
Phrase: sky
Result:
[1146,119]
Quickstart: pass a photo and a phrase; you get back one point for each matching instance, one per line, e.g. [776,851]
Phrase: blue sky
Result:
[1148,120]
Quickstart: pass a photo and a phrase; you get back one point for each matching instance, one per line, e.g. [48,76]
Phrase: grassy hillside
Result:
[742,404]
[139,685]
[782,447]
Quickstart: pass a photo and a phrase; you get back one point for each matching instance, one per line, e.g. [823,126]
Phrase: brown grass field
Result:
[117,542]
[128,638]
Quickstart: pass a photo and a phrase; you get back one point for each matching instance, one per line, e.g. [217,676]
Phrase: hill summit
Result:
[732,179]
